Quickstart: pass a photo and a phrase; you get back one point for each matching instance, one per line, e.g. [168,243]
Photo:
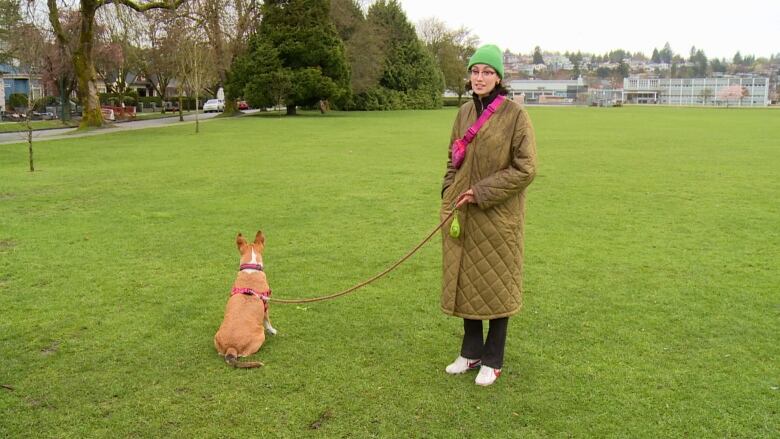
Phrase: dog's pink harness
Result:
[264,295]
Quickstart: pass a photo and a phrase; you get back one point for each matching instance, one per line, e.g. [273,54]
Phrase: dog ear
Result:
[240,241]
[260,238]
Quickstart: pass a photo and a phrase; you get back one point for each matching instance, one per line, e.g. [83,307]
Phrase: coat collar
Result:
[481,103]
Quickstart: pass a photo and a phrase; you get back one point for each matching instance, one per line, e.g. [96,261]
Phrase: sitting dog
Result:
[241,333]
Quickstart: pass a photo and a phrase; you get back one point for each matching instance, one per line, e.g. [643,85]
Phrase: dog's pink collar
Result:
[258,267]
[264,295]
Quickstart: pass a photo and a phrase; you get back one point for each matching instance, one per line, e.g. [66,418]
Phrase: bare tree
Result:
[117,58]
[28,48]
[84,56]
[451,48]
[196,68]
[10,17]
[705,95]
[158,54]
[228,25]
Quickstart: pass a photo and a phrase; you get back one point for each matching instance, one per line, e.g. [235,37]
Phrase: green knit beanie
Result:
[491,55]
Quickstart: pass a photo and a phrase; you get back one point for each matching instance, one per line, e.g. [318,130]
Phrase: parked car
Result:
[214,105]
[45,115]
[242,105]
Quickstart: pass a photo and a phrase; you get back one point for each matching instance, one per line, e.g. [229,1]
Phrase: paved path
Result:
[71,133]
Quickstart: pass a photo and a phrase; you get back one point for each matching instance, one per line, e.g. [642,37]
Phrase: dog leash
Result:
[366,282]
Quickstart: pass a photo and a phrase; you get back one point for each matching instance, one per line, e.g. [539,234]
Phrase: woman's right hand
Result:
[465,197]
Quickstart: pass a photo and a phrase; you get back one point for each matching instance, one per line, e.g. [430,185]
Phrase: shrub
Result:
[114,99]
[149,100]
[453,101]
[17,100]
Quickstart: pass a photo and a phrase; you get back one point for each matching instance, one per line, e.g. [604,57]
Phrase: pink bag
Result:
[459,146]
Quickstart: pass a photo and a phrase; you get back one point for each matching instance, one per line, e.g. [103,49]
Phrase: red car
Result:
[242,105]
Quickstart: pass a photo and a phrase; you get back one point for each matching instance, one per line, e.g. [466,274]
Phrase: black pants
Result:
[492,350]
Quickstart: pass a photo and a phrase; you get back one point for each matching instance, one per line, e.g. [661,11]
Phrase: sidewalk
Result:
[72,133]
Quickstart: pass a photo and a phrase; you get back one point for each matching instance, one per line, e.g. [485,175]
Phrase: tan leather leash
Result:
[364,283]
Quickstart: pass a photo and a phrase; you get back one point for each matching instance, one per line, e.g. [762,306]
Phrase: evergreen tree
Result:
[700,63]
[364,45]
[616,56]
[623,70]
[717,65]
[666,53]
[410,77]
[656,57]
[538,58]
[296,57]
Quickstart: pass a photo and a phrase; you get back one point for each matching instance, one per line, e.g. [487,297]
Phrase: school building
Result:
[547,91]
[741,92]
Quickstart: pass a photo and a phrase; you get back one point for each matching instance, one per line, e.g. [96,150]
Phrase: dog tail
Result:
[231,358]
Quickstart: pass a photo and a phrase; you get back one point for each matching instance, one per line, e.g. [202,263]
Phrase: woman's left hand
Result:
[466,197]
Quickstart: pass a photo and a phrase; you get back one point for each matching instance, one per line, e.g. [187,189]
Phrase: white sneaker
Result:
[487,376]
[462,365]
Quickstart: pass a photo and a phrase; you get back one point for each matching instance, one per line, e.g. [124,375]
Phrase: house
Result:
[16,80]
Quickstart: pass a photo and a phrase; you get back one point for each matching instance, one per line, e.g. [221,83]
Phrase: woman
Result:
[482,266]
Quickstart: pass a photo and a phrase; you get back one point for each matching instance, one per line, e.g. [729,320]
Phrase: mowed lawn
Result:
[652,303]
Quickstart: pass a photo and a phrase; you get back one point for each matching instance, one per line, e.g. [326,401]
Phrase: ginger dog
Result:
[241,333]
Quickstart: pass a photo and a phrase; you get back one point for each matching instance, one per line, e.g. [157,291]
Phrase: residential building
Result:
[15,80]
[557,62]
[696,91]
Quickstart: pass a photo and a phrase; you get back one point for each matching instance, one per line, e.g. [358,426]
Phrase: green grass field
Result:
[651,277]
[11,127]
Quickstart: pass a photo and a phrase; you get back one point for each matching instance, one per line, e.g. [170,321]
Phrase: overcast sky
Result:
[718,28]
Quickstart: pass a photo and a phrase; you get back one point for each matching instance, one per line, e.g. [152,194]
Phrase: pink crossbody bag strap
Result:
[460,145]
[474,129]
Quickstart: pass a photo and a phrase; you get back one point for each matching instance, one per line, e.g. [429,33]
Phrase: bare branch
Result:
[54,19]
[142,7]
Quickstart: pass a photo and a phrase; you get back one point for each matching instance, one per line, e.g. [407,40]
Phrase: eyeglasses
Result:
[487,74]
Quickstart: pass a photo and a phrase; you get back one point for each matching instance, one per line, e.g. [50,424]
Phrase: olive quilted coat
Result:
[482,269]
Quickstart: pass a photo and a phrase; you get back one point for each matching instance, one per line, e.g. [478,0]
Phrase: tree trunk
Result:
[291,110]
[85,68]
[214,11]
[30,140]
[197,121]
[230,106]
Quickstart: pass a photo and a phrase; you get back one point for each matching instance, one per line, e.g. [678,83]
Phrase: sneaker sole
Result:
[475,367]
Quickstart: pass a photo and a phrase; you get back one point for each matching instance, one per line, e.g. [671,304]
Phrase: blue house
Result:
[14,80]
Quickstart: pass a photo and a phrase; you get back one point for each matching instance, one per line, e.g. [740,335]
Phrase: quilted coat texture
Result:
[482,269]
